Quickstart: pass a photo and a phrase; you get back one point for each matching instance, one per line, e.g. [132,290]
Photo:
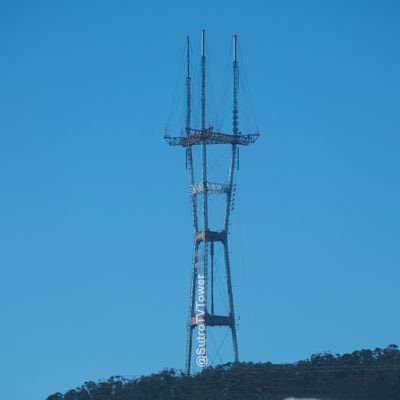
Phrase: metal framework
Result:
[203,236]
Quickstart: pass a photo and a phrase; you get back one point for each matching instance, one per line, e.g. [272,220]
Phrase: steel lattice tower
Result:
[203,236]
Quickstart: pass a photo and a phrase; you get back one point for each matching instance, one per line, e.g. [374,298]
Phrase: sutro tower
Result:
[206,239]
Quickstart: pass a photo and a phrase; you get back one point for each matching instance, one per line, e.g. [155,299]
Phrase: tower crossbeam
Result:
[209,136]
[210,187]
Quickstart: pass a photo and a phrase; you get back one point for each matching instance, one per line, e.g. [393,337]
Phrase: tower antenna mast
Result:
[188,88]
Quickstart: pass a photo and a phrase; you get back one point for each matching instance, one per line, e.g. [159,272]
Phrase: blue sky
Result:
[96,231]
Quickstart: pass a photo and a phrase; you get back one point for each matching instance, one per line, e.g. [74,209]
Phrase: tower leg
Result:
[212,278]
[189,329]
[231,307]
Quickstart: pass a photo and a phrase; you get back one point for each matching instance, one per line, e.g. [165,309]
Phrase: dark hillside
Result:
[361,375]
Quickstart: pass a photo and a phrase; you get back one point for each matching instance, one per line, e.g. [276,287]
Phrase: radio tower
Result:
[205,239]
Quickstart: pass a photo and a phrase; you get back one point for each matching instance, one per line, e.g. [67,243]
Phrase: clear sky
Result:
[95,220]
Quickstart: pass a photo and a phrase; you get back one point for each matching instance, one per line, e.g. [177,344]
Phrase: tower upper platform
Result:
[209,136]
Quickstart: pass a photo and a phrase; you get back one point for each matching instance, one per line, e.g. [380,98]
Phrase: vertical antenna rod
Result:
[235,115]
[203,80]
[188,93]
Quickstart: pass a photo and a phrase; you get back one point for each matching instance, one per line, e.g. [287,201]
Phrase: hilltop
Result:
[363,374]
